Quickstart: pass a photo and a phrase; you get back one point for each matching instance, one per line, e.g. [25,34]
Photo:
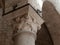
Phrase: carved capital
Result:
[30,22]
[27,23]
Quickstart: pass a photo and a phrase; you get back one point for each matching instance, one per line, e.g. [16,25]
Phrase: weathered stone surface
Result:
[10,3]
[56,4]
[5,24]
[52,20]
[5,32]
[1,12]
[27,26]
[16,13]
[2,3]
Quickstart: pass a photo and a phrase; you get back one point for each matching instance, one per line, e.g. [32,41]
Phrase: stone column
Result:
[27,28]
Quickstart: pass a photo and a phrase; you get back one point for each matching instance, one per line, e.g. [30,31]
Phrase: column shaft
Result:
[25,38]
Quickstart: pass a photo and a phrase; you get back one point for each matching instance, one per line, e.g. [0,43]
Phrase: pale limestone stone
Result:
[10,3]
[25,39]
[27,28]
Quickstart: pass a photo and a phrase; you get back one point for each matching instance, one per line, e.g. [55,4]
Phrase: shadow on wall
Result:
[43,36]
[52,20]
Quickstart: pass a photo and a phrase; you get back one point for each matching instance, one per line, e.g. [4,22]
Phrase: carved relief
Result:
[25,23]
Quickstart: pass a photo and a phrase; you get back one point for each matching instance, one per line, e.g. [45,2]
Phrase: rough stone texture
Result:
[56,4]
[6,35]
[10,3]
[6,31]
[52,20]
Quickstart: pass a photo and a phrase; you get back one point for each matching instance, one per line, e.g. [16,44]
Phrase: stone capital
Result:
[30,22]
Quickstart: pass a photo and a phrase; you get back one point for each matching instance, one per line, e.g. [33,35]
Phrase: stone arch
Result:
[55,4]
[52,17]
